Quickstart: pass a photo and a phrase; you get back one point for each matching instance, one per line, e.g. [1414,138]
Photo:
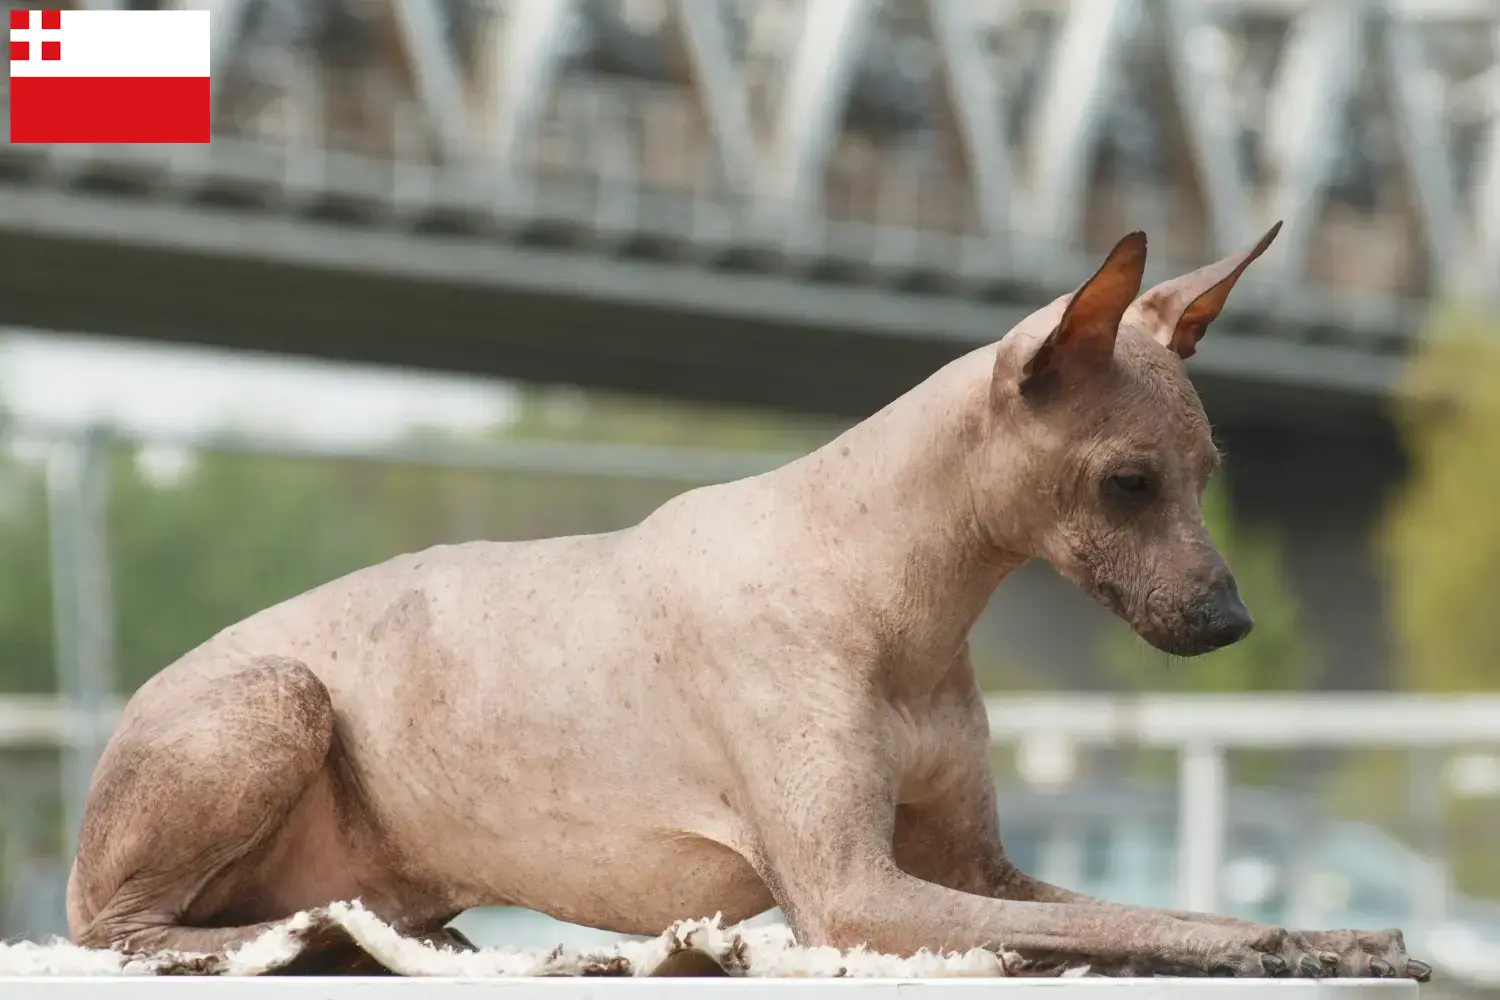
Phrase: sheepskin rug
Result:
[688,948]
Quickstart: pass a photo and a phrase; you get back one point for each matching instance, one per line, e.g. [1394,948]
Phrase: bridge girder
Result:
[1006,145]
[974,150]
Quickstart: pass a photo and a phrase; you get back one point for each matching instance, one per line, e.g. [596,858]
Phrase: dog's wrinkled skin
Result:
[759,695]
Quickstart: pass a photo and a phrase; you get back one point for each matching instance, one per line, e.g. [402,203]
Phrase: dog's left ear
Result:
[1179,311]
[1083,340]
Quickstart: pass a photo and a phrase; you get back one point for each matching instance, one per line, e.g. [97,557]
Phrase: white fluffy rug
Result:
[689,948]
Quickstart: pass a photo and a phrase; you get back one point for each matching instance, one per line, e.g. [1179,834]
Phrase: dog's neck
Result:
[894,498]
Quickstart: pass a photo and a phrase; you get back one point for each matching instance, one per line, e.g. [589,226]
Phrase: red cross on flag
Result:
[109,76]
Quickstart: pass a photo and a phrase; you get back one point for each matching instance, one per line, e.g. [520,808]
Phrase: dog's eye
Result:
[1130,483]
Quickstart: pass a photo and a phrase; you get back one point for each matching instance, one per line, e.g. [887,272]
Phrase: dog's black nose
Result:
[1223,619]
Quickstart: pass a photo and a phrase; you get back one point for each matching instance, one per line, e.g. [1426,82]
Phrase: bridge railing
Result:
[1048,731]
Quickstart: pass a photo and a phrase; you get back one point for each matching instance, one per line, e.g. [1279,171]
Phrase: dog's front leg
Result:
[949,833]
[952,838]
[955,841]
[1360,953]
[820,786]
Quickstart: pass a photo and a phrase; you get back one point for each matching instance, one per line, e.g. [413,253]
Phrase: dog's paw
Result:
[1371,954]
[1265,953]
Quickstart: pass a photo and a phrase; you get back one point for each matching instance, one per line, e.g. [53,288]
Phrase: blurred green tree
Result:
[25,581]
[1441,546]
[234,535]
[1442,539]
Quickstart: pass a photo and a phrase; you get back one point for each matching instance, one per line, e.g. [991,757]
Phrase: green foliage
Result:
[25,596]
[1276,656]
[237,535]
[1442,547]
[1442,542]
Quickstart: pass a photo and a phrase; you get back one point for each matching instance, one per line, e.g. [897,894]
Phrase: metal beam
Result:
[1251,721]
[1418,10]
[47,720]
[1202,779]
[543,458]
[51,232]
[1065,127]
[813,98]
[612,149]
[978,109]
[1212,127]
[306,162]
[720,89]
[1417,110]
[78,523]
[526,47]
[1259,721]
[1304,112]
[439,84]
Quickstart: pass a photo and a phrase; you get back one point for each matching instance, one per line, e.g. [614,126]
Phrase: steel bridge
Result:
[796,203]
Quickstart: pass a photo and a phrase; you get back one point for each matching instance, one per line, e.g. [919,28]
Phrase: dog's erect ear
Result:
[1084,338]
[1179,311]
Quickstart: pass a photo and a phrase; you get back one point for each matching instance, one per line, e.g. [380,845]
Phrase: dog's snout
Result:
[1222,618]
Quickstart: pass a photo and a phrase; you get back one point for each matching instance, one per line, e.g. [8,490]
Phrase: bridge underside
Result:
[115,266]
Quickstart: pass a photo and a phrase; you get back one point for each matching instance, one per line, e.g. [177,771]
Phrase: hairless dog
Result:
[759,695]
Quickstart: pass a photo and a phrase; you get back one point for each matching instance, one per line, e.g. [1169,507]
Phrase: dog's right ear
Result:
[1084,339]
[1180,310]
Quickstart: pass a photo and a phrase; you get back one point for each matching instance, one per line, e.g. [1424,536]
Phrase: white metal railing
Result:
[1200,728]
[1269,721]
[1249,721]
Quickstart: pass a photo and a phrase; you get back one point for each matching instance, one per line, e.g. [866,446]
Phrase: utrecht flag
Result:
[106,76]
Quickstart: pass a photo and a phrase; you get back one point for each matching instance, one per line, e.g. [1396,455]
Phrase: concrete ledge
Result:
[316,988]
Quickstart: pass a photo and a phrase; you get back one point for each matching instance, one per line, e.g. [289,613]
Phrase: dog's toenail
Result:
[1418,970]
[1274,965]
[1381,968]
[1310,966]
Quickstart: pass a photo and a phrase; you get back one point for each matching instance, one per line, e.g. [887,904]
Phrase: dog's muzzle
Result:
[1220,618]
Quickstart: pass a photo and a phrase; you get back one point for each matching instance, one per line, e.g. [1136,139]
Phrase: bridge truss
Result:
[975,150]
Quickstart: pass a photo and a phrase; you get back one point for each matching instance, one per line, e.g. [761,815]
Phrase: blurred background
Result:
[456,269]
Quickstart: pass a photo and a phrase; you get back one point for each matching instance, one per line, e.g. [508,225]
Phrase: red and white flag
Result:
[109,76]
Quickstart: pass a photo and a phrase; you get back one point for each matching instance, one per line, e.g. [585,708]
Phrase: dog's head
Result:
[1115,446]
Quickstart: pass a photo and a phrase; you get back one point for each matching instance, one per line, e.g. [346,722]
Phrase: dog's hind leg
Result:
[193,789]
